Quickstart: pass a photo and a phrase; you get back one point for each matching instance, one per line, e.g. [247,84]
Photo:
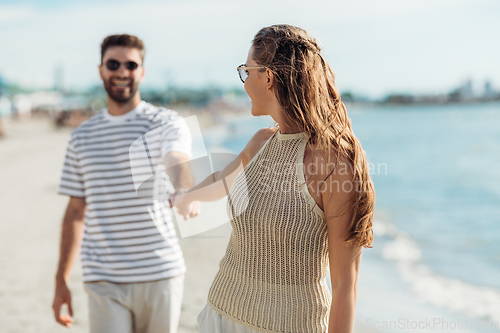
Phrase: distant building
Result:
[24,104]
[488,91]
[466,89]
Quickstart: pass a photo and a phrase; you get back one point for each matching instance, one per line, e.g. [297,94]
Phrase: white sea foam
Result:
[471,300]
[402,249]
[475,301]
[381,228]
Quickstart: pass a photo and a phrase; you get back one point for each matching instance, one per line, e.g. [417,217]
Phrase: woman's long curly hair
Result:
[305,88]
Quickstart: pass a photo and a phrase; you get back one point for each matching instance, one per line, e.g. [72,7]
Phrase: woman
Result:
[304,200]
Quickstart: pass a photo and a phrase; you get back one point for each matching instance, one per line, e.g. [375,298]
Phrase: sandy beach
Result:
[31,157]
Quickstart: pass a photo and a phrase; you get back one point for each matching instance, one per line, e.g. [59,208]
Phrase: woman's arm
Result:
[217,185]
[337,198]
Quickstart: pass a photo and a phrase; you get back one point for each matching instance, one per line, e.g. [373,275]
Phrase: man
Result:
[133,266]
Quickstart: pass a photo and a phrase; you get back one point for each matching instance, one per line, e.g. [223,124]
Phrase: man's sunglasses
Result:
[113,65]
[243,72]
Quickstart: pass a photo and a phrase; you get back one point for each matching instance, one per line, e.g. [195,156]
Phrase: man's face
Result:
[121,84]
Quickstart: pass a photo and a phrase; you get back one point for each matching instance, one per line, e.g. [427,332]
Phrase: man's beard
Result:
[118,97]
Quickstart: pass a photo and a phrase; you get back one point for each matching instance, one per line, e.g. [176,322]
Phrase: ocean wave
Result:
[475,301]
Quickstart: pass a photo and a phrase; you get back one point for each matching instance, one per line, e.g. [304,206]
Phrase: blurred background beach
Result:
[421,82]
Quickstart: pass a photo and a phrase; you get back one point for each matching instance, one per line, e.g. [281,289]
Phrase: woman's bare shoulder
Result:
[257,141]
[261,136]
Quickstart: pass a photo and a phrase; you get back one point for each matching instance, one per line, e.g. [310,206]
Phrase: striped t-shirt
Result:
[114,162]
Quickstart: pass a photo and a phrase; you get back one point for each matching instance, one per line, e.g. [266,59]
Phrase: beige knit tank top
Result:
[272,276]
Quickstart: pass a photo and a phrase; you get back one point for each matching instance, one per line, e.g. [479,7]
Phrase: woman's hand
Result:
[185,206]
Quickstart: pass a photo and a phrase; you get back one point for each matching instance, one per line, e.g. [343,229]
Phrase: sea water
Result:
[435,261]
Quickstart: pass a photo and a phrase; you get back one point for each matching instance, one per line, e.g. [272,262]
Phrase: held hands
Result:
[185,206]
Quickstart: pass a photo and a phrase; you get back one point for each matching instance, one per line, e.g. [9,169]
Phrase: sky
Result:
[375,47]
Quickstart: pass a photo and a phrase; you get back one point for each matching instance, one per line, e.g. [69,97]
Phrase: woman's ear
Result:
[270,79]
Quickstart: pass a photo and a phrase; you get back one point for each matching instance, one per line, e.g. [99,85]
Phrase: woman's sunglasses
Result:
[113,65]
[243,73]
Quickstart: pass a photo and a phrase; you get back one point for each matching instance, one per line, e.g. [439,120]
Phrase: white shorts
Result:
[210,321]
[146,307]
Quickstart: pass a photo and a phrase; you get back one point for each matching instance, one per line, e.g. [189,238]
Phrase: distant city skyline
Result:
[374,48]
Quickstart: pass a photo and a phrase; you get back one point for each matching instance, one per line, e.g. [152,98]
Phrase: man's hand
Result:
[185,207]
[72,233]
[62,296]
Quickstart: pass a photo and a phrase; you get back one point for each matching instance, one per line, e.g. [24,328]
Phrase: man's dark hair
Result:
[123,40]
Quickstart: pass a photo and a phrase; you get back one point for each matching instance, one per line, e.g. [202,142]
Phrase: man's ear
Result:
[143,72]
[100,71]
[270,79]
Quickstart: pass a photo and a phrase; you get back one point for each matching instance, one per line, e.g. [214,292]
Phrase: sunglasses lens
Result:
[132,65]
[112,65]
[243,74]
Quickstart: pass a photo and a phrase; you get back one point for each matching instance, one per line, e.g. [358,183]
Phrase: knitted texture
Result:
[272,276]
